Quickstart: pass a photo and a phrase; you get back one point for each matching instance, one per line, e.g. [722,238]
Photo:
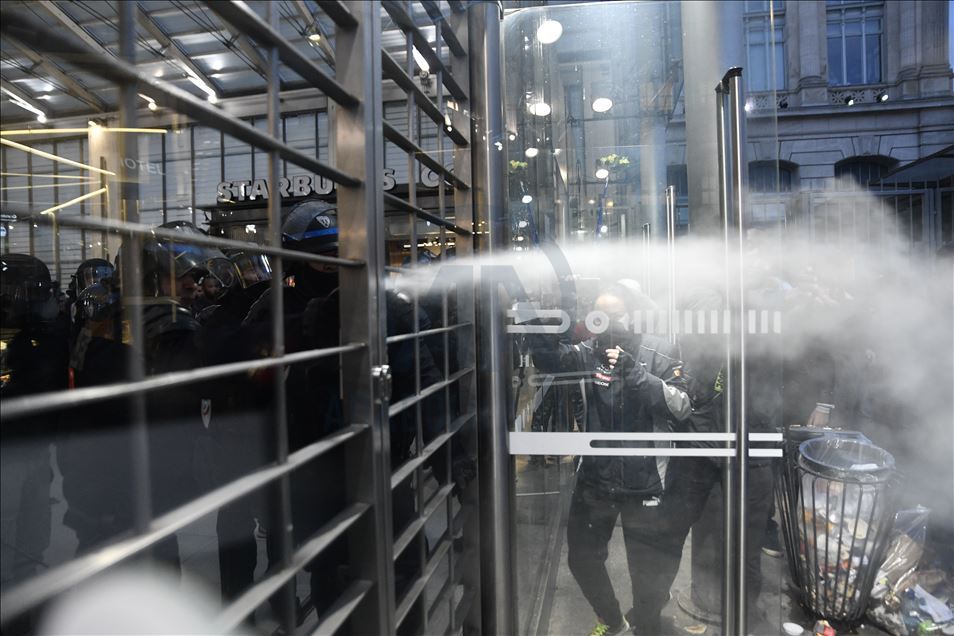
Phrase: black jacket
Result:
[632,397]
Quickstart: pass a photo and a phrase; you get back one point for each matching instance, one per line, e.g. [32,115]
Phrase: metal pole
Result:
[671,253]
[358,150]
[737,391]
[132,279]
[728,481]
[495,465]
[281,503]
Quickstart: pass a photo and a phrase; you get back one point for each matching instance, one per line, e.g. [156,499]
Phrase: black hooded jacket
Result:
[641,393]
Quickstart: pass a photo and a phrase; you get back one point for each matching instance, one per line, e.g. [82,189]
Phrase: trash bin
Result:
[787,484]
[841,509]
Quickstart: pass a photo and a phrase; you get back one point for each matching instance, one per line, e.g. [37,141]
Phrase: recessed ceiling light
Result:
[549,32]
[540,109]
[526,198]
[602,104]
[531,152]
[602,173]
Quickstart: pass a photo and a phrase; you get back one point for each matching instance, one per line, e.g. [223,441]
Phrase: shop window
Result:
[854,42]
[765,45]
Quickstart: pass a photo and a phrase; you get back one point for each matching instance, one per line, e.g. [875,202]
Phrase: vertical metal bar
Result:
[132,279]
[358,150]
[495,465]
[57,261]
[165,181]
[465,349]
[192,171]
[728,481]
[671,253]
[281,503]
[83,211]
[738,392]
[415,135]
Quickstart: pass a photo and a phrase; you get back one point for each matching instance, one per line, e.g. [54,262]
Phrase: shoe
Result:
[602,629]
[770,544]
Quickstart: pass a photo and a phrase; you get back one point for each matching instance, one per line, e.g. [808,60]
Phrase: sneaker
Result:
[770,544]
[602,629]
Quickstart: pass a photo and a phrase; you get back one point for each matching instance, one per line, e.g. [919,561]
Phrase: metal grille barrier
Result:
[401,578]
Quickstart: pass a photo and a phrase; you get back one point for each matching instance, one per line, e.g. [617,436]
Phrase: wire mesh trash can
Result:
[841,509]
[787,485]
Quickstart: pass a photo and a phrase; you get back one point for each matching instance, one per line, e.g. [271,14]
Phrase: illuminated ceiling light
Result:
[314,37]
[421,62]
[609,204]
[592,201]
[199,83]
[749,107]
[72,131]
[602,173]
[549,32]
[850,101]
[522,224]
[531,152]
[16,100]
[883,97]
[512,136]
[540,109]
[602,104]
[526,198]
[151,103]
[82,197]
[604,229]
[51,157]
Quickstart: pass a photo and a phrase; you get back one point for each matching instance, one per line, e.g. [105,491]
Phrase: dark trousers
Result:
[689,480]
[592,517]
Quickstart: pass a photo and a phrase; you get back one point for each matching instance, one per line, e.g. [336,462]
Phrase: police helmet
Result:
[89,272]
[26,290]
[311,226]
[175,258]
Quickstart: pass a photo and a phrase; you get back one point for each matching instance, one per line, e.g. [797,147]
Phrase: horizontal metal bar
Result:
[138,229]
[408,468]
[405,538]
[62,45]
[399,406]
[57,580]
[392,70]
[420,584]
[581,444]
[259,593]
[427,332]
[343,608]
[401,204]
[241,16]
[54,400]
[446,32]
[398,138]
[436,64]
[338,13]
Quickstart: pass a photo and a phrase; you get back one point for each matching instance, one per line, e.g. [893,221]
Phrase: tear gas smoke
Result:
[876,308]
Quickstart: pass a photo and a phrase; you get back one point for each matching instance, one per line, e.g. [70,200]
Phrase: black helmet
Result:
[26,290]
[89,272]
[253,267]
[169,257]
[311,226]
[97,302]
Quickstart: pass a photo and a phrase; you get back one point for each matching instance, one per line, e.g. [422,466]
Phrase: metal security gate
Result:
[413,572]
